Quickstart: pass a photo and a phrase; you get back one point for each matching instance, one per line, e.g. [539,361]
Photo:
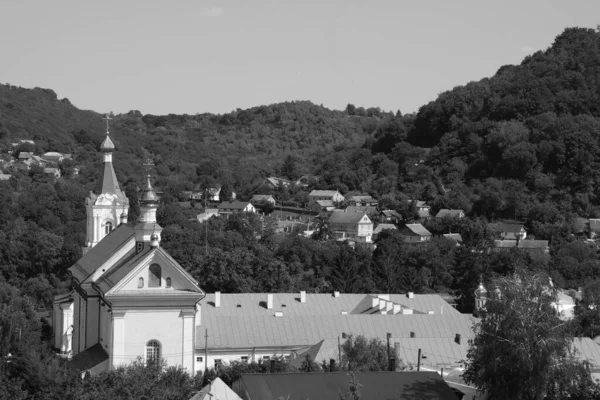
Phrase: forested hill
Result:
[244,145]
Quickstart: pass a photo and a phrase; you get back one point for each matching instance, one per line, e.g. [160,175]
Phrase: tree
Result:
[362,354]
[522,349]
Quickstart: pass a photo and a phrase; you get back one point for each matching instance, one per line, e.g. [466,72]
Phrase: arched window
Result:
[107,227]
[154,275]
[140,283]
[152,351]
[168,282]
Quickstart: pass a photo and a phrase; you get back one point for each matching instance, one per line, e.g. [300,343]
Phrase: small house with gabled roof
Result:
[512,230]
[351,225]
[448,213]
[228,207]
[415,233]
[332,195]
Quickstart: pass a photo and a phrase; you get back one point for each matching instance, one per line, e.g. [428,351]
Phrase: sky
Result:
[197,56]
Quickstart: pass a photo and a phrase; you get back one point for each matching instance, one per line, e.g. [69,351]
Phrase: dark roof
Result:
[383,227]
[312,353]
[108,182]
[414,229]
[444,212]
[344,217]
[88,358]
[123,267]
[510,227]
[391,213]
[375,385]
[98,254]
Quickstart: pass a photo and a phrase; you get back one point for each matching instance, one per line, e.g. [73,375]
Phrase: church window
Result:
[199,359]
[140,283]
[152,351]
[168,282]
[154,275]
[140,246]
[107,227]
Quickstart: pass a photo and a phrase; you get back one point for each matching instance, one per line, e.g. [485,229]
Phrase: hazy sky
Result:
[194,56]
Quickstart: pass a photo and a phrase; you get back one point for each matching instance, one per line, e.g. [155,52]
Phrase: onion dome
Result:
[154,240]
[480,292]
[149,196]
[107,146]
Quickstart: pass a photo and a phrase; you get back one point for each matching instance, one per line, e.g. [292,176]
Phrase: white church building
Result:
[131,299]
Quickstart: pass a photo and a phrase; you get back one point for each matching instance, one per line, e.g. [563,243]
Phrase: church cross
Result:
[148,165]
[107,118]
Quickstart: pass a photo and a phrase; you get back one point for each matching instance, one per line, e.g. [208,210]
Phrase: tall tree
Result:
[522,349]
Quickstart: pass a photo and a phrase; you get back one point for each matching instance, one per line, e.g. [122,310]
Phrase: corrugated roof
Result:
[251,331]
[98,254]
[345,217]
[587,349]
[375,385]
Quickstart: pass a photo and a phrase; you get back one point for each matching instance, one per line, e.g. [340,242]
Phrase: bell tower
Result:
[106,205]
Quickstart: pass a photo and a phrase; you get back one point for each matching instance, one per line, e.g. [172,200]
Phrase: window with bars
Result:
[152,351]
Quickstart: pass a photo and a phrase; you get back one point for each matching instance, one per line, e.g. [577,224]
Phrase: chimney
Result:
[397,309]
[389,306]
[392,363]
[303,296]
[407,311]
[344,312]
[457,339]
[412,335]
[411,295]
[382,303]
[336,294]
[374,302]
[331,365]
[430,312]
[269,301]
[279,313]
[217,299]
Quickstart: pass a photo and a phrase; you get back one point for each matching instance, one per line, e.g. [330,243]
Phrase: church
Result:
[130,298]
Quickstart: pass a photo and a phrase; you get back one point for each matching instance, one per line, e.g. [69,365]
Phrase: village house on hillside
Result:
[361,200]
[512,231]
[446,213]
[228,207]
[351,225]
[262,199]
[332,195]
[415,233]
[423,209]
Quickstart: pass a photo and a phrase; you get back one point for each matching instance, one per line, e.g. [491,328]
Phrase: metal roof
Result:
[374,385]
[444,212]
[383,227]
[345,217]
[234,205]
[323,193]
[416,229]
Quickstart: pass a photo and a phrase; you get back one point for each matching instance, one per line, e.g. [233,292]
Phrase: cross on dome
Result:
[107,118]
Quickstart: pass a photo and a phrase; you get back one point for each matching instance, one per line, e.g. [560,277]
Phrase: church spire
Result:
[106,202]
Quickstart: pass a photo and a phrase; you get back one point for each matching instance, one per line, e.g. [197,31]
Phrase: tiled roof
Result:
[383,227]
[374,385]
[345,217]
[416,229]
[98,254]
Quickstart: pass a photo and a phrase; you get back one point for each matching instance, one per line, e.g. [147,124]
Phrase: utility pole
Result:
[339,352]
[206,223]
[206,350]
[389,335]
[419,361]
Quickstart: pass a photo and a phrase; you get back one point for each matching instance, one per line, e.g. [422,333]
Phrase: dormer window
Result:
[141,283]
[107,227]
[154,276]
[168,282]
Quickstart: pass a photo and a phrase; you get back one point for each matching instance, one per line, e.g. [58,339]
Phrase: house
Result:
[258,326]
[131,299]
[262,199]
[207,214]
[274,182]
[530,245]
[52,171]
[415,233]
[512,231]
[390,216]
[382,227]
[446,213]
[332,195]
[374,385]
[423,209]
[53,156]
[324,205]
[216,390]
[24,156]
[361,200]
[351,225]
[228,207]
